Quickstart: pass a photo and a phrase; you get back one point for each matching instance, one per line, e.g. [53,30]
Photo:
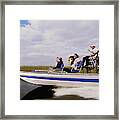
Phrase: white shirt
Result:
[74,65]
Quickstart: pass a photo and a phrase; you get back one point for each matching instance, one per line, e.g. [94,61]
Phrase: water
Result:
[30,91]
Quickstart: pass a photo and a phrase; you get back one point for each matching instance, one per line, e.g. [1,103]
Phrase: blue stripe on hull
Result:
[63,79]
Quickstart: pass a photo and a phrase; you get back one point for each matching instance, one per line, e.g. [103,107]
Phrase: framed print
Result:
[59,60]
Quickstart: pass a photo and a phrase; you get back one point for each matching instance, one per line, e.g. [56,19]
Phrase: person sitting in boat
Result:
[76,64]
[71,60]
[93,54]
[59,63]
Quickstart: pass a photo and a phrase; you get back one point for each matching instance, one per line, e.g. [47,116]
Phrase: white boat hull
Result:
[60,80]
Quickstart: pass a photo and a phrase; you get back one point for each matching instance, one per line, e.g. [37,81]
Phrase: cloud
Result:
[43,40]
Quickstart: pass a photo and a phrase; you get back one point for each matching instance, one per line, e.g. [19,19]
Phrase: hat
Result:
[92,45]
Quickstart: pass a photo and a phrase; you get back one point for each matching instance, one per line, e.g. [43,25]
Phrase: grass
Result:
[45,68]
[31,68]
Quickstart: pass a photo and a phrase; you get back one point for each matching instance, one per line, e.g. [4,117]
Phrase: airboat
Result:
[59,79]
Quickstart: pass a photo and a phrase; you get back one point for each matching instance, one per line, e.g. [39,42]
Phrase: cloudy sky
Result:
[42,41]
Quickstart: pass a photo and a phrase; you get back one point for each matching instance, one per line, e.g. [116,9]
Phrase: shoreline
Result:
[46,69]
